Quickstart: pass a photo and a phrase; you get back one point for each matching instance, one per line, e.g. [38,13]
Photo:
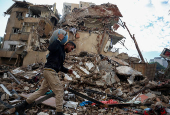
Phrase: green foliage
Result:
[1,40]
[158,66]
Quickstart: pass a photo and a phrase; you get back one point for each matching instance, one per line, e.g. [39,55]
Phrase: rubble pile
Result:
[100,78]
[93,18]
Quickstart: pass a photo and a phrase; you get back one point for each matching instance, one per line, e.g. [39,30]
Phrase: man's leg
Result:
[41,91]
[21,107]
[56,86]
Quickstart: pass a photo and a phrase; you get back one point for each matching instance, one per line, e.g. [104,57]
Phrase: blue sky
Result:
[150,22]
[147,19]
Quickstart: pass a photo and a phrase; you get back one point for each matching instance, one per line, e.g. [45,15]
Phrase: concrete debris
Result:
[125,70]
[67,77]
[71,104]
[95,16]
[17,70]
[75,73]
[111,81]
[89,65]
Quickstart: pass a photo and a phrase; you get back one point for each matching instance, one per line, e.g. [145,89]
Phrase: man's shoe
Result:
[20,108]
[24,104]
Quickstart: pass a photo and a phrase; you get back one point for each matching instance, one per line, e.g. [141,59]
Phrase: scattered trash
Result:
[71,104]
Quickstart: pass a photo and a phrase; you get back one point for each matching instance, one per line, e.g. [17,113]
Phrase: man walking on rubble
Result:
[51,80]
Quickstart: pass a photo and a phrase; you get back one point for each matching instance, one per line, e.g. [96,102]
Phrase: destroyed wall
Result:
[107,14]
[14,23]
[74,6]
[36,57]
[28,24]
[70,7]
[66,8]
[92,26]
[17,43]
[85,4]
[45,14]
[123,56]
[92,43]
[86,42]
[146,69]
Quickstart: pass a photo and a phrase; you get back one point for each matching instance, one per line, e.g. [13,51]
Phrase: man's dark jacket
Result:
[56,57]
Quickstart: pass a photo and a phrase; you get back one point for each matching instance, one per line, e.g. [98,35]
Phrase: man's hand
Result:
[60,36]
[70,71]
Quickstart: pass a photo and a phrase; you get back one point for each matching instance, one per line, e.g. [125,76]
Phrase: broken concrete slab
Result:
[17,71]
[119,61]
[67,77]
[110,78]
[125,70]
[89,65]
[83,69]
[106,66]
[99,11]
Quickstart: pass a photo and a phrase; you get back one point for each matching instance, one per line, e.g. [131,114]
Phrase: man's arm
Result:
[65,70]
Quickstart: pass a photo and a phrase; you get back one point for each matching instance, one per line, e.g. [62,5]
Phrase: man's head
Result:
[69,46]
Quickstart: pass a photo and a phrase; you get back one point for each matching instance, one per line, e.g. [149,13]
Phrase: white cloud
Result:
[138,17]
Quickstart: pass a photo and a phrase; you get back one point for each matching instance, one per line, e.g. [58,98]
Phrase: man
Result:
[51,80]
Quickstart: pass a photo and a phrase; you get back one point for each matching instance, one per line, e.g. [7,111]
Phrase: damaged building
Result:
[96,26]
[27,29]
[104,81]
[92,26]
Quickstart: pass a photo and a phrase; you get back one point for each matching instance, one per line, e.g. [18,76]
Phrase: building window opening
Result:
[19,15]
[15,30]
[12,48]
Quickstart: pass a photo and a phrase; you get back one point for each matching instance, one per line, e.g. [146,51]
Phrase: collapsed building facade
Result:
[93,30]
[30,27]
[27,29]
[92,26]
